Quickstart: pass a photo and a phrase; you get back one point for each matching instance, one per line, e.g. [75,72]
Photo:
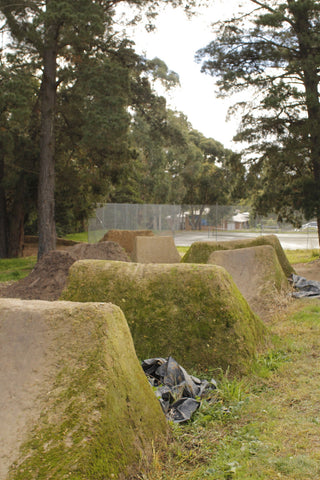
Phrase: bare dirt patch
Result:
[311,270]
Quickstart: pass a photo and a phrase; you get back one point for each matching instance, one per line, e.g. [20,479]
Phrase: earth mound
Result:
[49,276]
[126,238]
[194,313]
[75,402]
[199,252]
[257,273]
[47,279]
[106,250]
[155,250]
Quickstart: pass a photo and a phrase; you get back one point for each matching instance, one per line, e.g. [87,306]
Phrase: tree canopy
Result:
[54,37]
[272,52]
[97,131]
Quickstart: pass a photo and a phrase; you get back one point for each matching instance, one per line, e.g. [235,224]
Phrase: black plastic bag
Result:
[179,393]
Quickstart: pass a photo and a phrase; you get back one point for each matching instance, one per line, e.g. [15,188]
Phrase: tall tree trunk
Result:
[46,186]
[16,223]
[3,215]
[309,62]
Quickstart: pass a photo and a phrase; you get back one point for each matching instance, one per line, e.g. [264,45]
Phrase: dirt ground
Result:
[311,270]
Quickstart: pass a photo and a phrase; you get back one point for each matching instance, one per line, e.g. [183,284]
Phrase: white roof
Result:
[241,217]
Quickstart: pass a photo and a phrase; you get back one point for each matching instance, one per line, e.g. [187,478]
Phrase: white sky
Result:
[176,41]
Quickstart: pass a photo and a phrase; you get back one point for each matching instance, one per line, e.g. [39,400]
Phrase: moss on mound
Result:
[193,312]
[199,252]
[100,418]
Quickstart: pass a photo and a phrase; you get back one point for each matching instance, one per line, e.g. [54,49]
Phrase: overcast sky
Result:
[176,41]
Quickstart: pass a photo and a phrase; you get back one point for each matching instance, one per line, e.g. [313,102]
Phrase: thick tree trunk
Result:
[16,227]
[309,62]
[3,215]
[46,187]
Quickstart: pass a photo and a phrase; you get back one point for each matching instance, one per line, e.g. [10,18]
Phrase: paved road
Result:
[289,241]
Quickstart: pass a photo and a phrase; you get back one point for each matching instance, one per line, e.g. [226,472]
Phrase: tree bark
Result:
[309,62]
[16,224]
[3,215]
[46,186]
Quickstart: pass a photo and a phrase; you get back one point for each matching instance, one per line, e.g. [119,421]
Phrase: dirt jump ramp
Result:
[257,273]
[155,250]
[193,312]
[126,238]
[74,401]
[199,252]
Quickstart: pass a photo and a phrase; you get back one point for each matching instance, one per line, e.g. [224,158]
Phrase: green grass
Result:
[12,269]
[302,256]
[78,237]
[182,250]
[16,268]
[265,425]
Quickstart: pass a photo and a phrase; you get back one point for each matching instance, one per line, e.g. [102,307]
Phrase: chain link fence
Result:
[173,219]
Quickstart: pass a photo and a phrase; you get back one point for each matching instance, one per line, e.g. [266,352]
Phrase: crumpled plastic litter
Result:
[178,392]
[304,287]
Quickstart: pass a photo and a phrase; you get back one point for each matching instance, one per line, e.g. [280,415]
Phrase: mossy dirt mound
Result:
[73,395]
[257,273]
[199,252]
[193,312]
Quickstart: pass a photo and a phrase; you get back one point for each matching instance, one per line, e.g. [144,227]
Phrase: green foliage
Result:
[108,137]
[274,51]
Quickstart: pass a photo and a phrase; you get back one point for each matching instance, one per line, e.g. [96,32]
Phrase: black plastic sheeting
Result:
[304,287]
[178,392]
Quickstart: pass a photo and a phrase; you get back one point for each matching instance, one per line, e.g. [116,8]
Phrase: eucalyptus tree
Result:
[56,35]
[271,53]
